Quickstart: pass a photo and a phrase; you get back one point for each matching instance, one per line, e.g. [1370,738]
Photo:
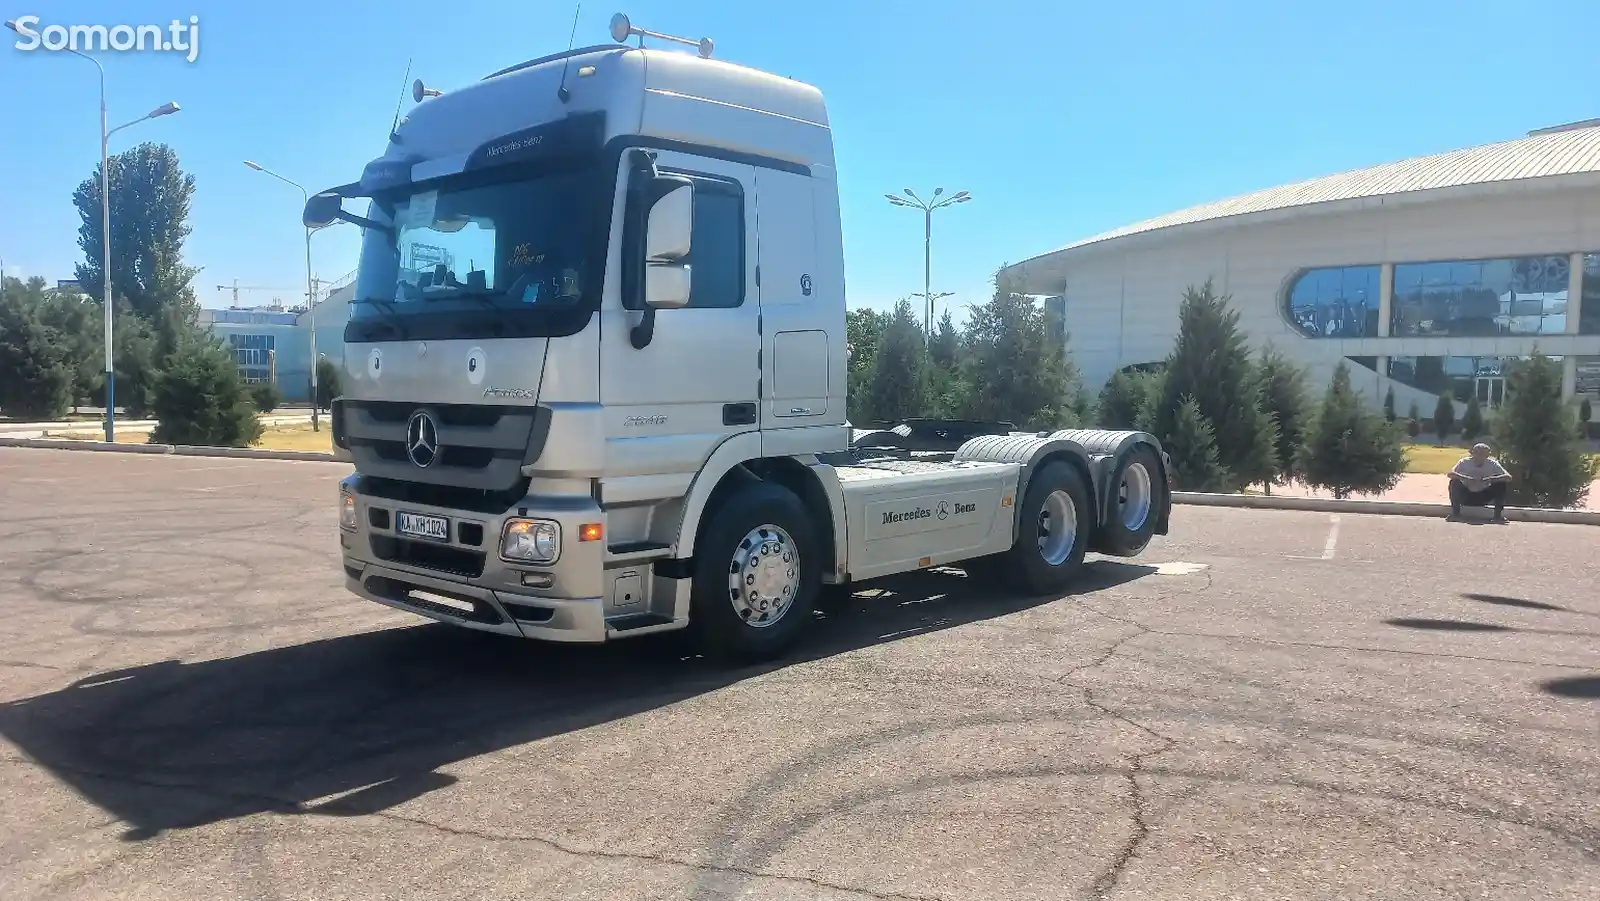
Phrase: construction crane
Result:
[236,288]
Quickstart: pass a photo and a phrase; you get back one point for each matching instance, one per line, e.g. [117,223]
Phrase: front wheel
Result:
[757,568]
[1056,522]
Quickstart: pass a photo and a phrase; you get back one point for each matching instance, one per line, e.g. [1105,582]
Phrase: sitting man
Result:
[1479,480]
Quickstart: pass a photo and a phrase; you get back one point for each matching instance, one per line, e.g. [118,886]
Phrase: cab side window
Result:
[716,251]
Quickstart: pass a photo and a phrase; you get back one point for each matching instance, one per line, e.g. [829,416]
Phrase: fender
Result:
[735,451]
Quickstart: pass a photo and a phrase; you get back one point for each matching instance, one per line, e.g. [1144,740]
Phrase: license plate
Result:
[417,525]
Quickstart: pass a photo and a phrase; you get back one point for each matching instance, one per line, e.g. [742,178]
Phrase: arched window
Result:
[1336,302]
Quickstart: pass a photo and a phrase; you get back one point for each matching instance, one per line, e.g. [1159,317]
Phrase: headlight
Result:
[347,512]
[530,541]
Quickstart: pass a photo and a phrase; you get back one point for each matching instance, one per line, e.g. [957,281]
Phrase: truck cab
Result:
[600,304]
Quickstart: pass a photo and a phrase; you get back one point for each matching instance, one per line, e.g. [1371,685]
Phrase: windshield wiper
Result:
[483,296]
[391,316]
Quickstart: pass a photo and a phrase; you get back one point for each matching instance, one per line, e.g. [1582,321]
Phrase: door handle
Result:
[799,411]
[738,414]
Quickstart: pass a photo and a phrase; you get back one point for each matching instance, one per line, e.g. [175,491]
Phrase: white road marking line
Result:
[1329,547]
[1332,543]
[1180,568]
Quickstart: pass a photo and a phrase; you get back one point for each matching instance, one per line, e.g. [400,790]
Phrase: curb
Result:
[181,450]
[1385,508]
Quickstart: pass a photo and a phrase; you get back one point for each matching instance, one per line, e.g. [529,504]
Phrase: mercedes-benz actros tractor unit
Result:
[595,374]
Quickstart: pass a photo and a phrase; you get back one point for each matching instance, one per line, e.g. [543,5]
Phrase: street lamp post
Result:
[927,207]
[105,226]
[311,297]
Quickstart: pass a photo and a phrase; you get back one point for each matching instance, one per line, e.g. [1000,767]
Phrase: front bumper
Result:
[585,595]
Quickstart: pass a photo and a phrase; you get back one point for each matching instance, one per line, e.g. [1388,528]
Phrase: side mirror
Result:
[666,286]
[322,210]
[670,222]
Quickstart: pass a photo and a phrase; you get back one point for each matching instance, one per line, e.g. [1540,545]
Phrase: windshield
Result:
[475,260]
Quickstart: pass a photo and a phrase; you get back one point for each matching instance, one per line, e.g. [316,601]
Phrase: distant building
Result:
[69,284]
[1426,275]
[272,344]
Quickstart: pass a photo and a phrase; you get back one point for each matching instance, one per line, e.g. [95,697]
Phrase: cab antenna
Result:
[562,94]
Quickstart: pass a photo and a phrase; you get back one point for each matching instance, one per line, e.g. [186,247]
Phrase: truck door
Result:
[795,351]
[670,403]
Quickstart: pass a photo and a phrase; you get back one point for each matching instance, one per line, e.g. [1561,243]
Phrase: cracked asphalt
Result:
[1265,705]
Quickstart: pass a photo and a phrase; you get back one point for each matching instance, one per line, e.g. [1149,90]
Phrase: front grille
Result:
[427,494]
[480,446]
[427,555]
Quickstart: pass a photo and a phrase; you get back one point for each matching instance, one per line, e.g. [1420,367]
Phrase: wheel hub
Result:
[1134,496]
[764,576]
[1058,528]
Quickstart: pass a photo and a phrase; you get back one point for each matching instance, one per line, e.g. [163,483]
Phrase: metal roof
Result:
[1538,155]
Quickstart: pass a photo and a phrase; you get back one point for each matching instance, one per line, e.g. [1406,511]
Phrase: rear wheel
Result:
[1132,521]
[757,568]
[1055,524]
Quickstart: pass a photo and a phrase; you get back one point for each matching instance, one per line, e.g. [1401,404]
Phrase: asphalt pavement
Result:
[1267,704]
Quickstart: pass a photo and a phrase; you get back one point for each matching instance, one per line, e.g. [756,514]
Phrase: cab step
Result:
[642,623]
[634,552]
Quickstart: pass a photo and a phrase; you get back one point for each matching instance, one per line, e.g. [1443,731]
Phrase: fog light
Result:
[530,541]
[347,512]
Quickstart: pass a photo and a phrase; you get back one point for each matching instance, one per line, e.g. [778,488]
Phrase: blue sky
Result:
[1063,119]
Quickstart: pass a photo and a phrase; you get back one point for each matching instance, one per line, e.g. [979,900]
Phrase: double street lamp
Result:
[927,207]
[311,296]
[165,109]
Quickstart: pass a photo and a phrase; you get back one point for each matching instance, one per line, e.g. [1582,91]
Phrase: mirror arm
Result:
[643,173]
[364,222]
[644,331]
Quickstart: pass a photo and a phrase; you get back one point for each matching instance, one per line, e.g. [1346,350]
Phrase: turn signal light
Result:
[591,531]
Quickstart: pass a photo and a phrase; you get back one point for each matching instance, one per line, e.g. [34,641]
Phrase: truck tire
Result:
[1053,531]
[757,569]
[1131,521]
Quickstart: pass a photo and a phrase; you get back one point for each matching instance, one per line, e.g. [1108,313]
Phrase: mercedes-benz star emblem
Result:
[422,439]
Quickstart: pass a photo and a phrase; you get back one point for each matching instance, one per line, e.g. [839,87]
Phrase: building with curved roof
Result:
[1426,275]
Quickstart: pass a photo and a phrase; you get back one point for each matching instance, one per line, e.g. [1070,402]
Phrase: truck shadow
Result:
[356,724]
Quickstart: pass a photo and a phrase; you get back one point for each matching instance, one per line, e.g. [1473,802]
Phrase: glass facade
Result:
[1460,377]
[1589,378]
[254,353]
[1339,302]
[1481,298]
[1589,316]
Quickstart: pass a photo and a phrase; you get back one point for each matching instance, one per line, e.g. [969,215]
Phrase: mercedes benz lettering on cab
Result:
[595,373]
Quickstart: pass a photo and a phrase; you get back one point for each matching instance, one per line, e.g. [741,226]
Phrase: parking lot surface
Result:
[1267,704]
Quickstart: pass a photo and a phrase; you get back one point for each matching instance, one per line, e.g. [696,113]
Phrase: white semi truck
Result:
[595,374]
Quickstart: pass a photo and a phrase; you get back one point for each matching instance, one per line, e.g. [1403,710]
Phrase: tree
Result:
[863,330]
[1444,418]
[330,384]
[266,396]
[1585,414]
[1013,371]
[945,344]
[1351,450]
[78,322]
[1194,451]
[1472,422]
[1535,435]
[138,363]
[1211,364]
[199,398]
[1388,405]
[35,380]
[899,388]
[1413,421]
[150,198]
[1283,398]
[947,391]
[1125,400]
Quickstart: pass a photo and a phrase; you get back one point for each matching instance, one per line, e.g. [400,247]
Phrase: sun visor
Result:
[577,135]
